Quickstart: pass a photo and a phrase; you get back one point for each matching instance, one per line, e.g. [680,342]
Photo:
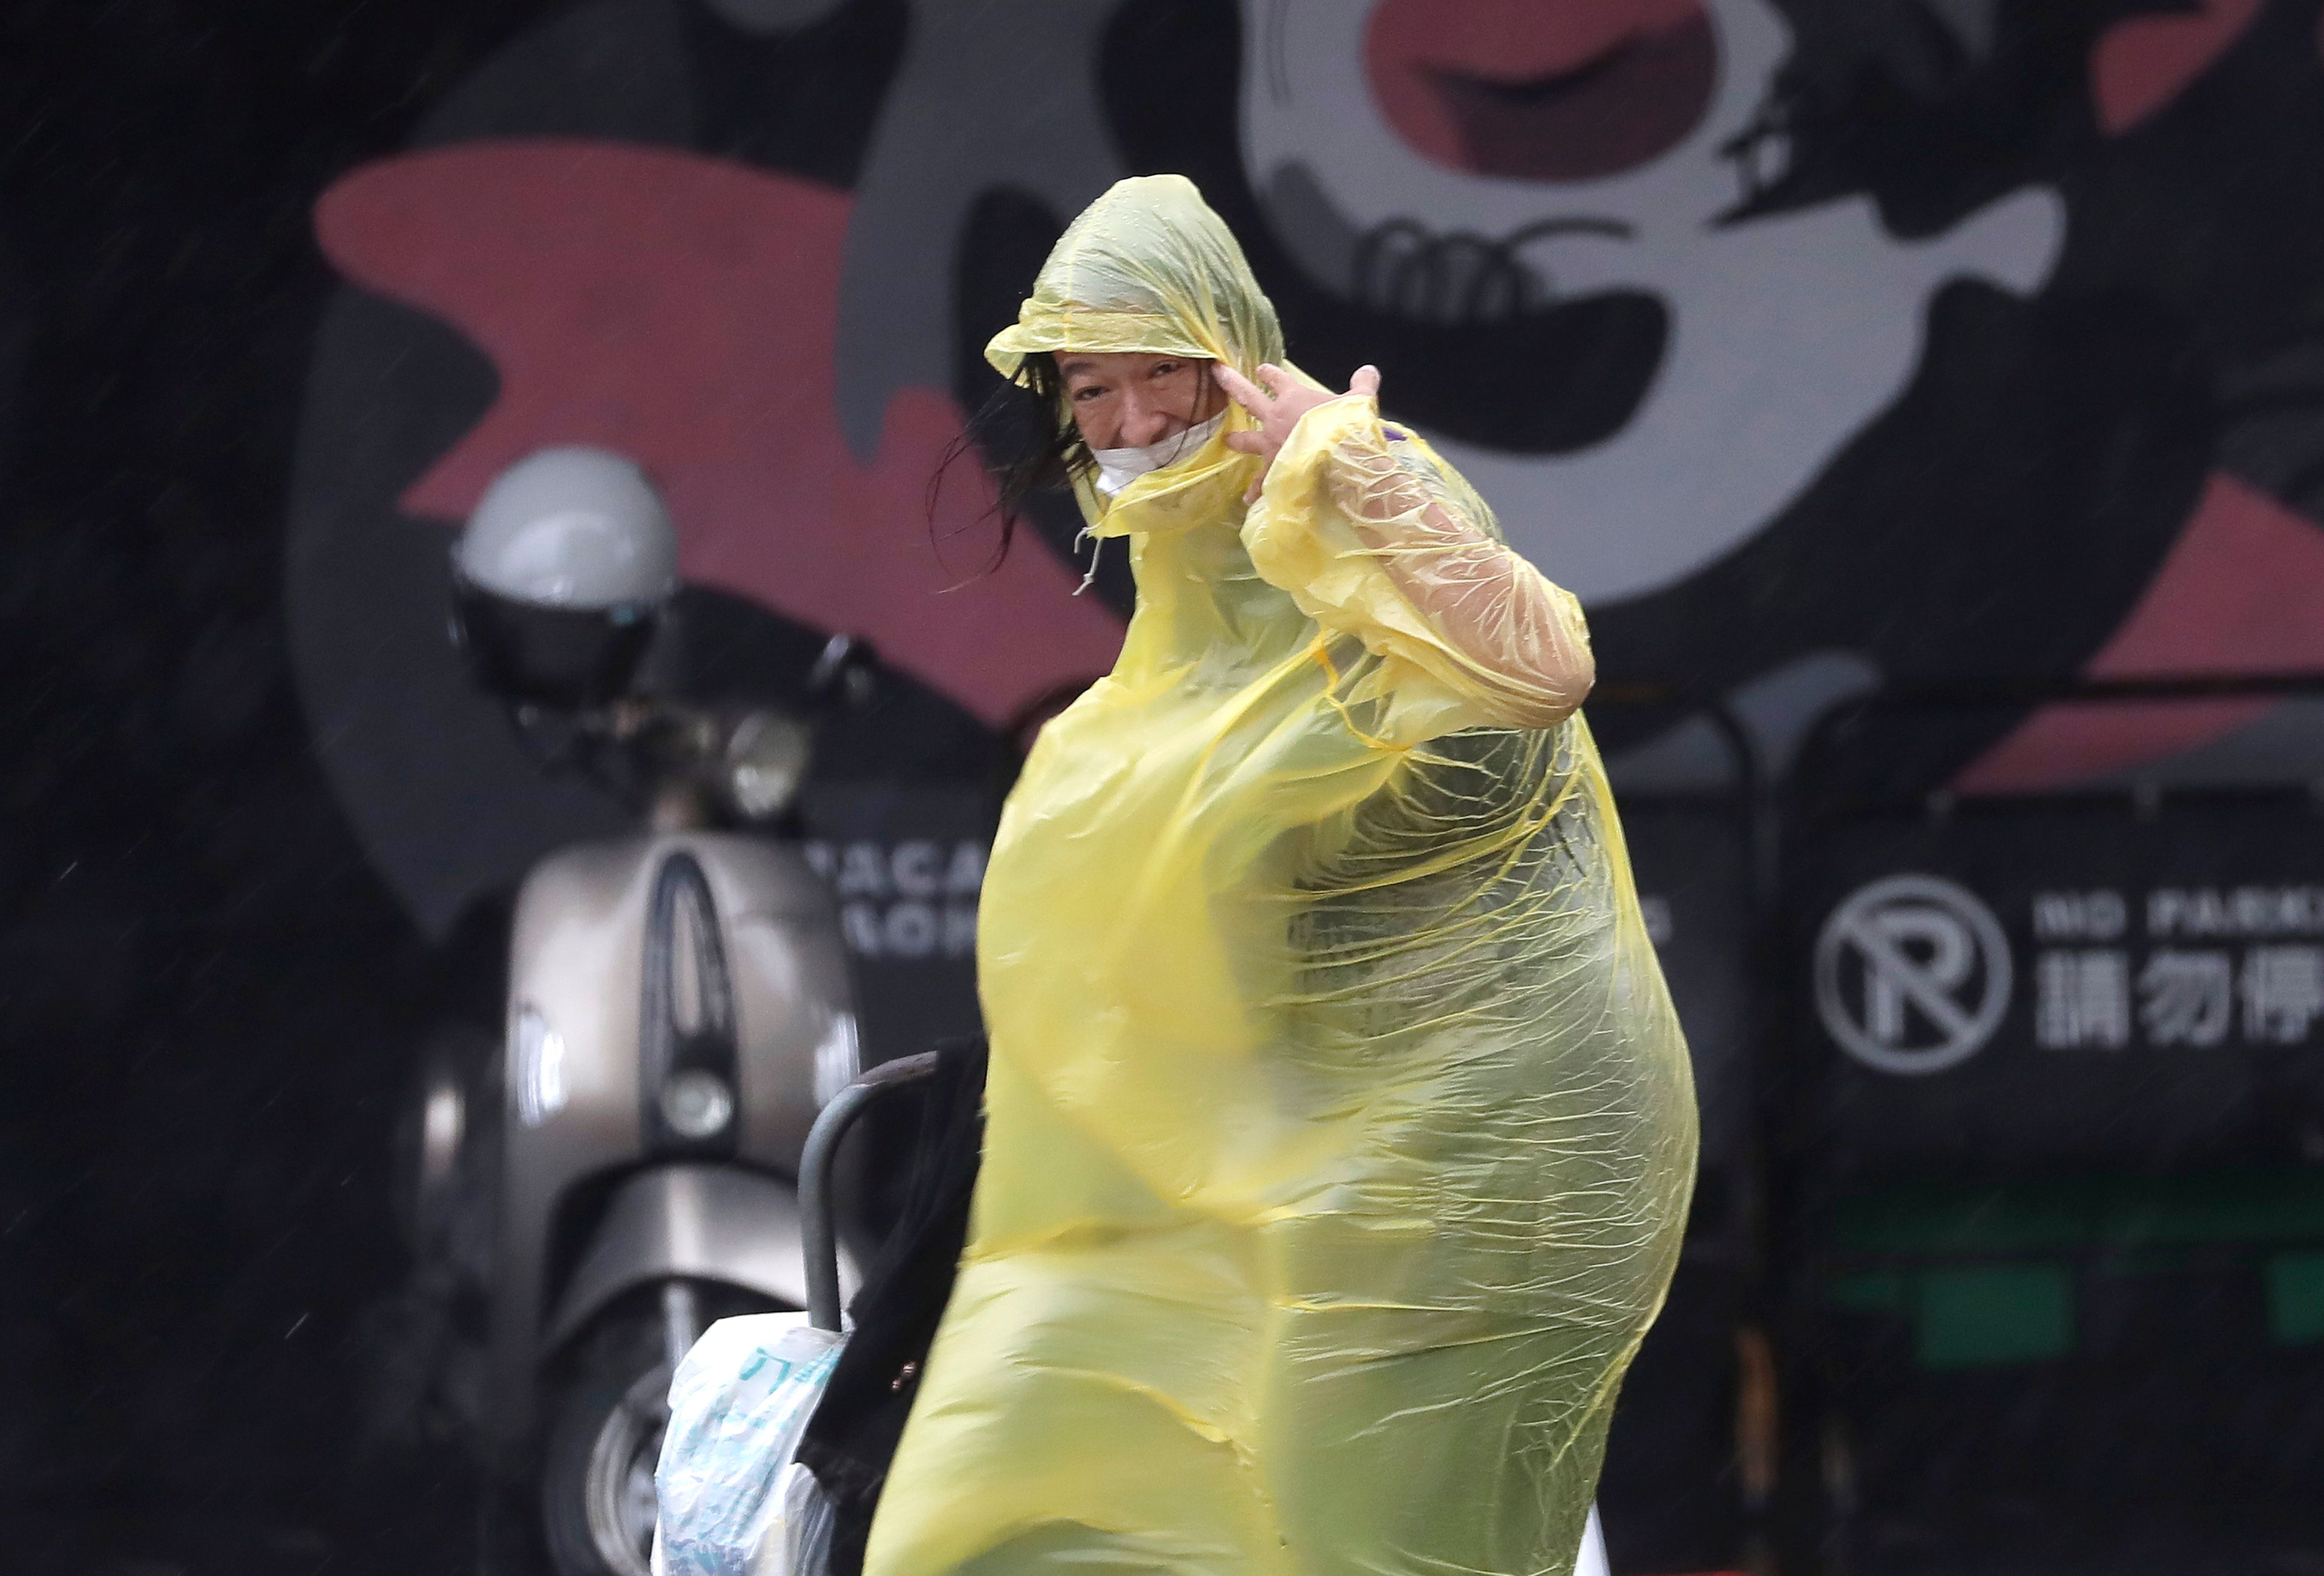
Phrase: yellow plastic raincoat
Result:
[1340,1131]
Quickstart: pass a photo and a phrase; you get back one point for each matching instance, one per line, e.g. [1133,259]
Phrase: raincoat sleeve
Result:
[1375,536]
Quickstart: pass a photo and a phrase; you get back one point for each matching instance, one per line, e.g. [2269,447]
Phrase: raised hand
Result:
[1278,405]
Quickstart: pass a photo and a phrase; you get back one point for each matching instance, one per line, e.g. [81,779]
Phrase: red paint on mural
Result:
[680,309]
[1573,91]
[2140,65]
[2240,593]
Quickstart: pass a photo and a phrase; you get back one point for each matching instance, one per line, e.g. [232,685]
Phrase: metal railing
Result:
[819,1209]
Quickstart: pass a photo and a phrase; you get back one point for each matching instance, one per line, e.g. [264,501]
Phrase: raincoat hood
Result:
[1149,269]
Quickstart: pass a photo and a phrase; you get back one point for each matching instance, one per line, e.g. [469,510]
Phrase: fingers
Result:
[1245,442]
[1279,385]
[1239,388]
[1252,396]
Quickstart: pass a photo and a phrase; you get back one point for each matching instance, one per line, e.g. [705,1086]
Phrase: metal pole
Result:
[819,1228]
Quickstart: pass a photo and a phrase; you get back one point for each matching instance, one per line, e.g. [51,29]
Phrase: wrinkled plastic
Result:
[1340,1131]
[732,1502]
[799,1542]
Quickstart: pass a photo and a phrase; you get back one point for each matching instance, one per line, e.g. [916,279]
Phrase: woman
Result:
[1340,1131]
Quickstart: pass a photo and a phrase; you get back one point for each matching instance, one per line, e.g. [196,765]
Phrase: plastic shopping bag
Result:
[1592,1559]
[733,1503]
[799,1544]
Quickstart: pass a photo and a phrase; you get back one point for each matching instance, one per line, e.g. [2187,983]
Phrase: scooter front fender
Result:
[712,1222]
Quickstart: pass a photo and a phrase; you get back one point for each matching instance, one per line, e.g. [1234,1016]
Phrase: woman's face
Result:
[1126,400]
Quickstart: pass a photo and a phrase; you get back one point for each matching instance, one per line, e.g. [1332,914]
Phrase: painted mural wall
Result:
[1821,345]
[1815,346]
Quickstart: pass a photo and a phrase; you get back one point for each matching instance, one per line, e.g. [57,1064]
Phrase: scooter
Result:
[622,1167]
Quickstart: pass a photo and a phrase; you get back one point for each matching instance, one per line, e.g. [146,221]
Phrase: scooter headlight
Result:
[696,1104]
[766,758]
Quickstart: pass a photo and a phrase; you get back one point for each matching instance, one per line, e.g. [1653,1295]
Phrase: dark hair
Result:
[1027,441]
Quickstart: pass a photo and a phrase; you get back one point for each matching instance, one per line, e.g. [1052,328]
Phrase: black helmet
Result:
[561,575]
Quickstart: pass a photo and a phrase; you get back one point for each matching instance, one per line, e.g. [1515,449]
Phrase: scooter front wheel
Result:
[604,1437]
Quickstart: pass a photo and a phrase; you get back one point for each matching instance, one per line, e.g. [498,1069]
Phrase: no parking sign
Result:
[1911,974]
[2055,980]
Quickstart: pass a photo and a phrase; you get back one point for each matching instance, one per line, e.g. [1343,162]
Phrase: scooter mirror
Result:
[846,673]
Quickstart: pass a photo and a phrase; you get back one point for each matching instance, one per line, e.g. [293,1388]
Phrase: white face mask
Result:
[1118,467]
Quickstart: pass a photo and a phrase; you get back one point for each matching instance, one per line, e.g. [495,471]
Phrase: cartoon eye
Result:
[1542,92]
[1761,154]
